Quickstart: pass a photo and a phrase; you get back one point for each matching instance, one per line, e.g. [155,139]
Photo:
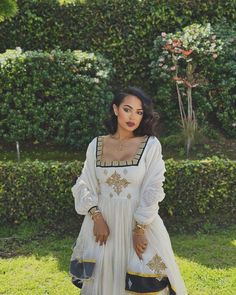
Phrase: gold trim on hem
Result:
[86,260]
[149,293]
[145,275]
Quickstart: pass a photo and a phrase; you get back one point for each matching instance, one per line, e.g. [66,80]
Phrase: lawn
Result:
[172,148]
[34,260]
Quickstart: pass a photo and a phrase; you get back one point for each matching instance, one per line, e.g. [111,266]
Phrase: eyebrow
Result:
[127,105]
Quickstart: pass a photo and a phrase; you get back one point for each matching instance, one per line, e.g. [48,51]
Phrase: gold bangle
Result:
[93,210]
[140,226]
[96,215]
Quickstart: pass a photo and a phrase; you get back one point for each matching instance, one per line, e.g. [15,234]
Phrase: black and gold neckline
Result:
[100,162]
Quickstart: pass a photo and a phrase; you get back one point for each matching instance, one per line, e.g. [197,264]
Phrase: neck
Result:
[123,134]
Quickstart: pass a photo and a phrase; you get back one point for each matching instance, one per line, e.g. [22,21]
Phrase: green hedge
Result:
[121,30]
[57,97]
[197,192]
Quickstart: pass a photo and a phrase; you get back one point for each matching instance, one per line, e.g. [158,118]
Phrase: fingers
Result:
[141,248]
[138,253]
[101,231]
[101,239]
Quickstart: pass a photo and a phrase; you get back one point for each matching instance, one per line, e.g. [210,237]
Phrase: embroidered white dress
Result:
[125,192]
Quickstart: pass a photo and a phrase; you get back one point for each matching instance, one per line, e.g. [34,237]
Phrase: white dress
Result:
[125,192]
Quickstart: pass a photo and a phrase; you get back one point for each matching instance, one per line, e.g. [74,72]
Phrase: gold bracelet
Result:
[93,210]
[96,215]
[140,226]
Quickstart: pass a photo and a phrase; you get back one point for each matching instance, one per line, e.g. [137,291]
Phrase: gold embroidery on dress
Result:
[117,182]
[98,188]
[156,264]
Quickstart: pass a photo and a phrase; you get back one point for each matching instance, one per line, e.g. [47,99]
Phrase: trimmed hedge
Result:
[197,192]
[123,31]
[57,97]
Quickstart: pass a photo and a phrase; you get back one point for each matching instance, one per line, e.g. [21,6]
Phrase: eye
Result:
[126,110]
[140,113]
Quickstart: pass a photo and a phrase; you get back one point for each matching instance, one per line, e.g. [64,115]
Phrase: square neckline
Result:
[119,163]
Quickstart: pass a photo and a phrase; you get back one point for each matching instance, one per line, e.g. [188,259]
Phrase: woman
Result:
[123,246]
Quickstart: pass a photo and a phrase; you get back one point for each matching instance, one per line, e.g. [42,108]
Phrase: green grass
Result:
[173,147]
[40,152]
[35,261]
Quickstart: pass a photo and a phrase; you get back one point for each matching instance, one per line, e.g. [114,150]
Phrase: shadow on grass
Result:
[213,250]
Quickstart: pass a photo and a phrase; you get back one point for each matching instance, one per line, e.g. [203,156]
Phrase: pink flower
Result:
[187,52]
[214,55]
[173,68]
[163,34]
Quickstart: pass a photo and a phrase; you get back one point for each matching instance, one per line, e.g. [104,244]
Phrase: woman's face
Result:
[129,113]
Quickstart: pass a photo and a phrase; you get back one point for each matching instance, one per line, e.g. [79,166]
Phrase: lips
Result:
[130,124]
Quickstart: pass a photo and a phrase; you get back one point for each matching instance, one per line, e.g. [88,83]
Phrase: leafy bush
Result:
[35,190]
[58,97]
[215,100]
[8,8]
[197,192]
[123,31]
[221,90]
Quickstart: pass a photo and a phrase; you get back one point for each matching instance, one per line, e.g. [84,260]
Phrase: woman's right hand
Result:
[100,229]
[140,242]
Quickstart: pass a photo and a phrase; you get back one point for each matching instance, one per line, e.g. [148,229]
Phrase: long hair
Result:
[149,122]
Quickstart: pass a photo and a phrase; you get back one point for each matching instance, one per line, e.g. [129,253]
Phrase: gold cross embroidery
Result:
[117,182]
[156,264]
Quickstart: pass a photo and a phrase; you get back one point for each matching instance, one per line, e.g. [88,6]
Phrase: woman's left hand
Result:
[140,243]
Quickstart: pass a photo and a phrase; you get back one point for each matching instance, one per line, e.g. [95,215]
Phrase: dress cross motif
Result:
[117,183]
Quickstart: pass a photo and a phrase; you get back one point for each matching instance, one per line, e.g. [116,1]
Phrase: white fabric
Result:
[124,194]
[84,190]
[151,190]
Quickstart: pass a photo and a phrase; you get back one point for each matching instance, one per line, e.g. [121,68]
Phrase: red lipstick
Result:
[130,124]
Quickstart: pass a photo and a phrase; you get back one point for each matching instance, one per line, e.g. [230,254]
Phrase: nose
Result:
[131,116]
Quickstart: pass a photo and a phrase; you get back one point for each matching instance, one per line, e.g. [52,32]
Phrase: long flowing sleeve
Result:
[152,187]
[85,189]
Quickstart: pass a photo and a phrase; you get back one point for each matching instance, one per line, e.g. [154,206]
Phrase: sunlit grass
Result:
[208,262]
[38,261]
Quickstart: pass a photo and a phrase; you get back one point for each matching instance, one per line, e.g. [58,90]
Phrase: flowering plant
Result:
[184,55]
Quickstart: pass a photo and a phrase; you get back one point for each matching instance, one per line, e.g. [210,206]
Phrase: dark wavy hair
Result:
[148,125]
